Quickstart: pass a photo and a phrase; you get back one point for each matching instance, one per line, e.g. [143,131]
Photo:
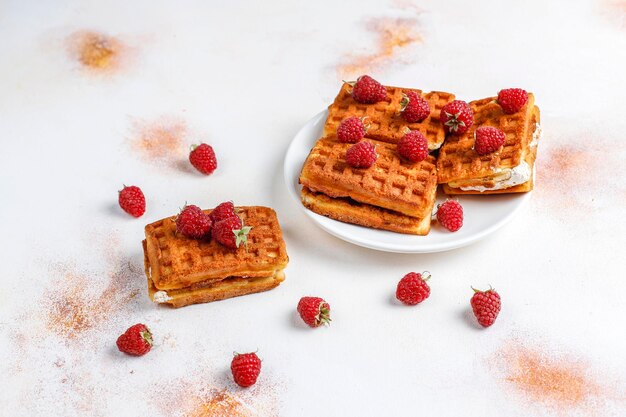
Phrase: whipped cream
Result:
[161,297]
[518,175]
[536,136]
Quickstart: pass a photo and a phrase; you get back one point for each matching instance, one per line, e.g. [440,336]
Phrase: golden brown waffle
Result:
[349,211]
[391,183]
[386,124]
[457,159]
[177,262]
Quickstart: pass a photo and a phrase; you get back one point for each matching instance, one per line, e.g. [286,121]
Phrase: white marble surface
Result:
[244,77]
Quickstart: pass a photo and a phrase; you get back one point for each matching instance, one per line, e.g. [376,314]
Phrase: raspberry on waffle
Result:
[184,271]
[462,170]
[384,118]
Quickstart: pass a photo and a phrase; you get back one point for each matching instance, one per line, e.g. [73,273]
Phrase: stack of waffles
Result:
[393,194]
[183,271]
[398,195]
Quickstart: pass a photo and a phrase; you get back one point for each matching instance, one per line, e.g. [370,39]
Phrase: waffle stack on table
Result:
[509,170]
[393,194]
[183,271]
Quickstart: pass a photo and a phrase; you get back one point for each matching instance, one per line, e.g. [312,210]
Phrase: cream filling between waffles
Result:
[504,178]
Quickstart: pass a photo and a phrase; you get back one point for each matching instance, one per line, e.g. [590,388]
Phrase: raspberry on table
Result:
[245,368]
[450,215]
[202,157]
[135,341]
[413,289]
[486,306]
[314,311]
[132,200]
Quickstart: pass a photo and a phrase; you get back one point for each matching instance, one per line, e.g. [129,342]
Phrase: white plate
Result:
[482,214]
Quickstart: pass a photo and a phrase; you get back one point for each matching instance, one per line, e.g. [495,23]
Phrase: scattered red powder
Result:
[96,51]
[615,10]
[72,308]
[220,404]
[160,142]
[563,384]
[393,37]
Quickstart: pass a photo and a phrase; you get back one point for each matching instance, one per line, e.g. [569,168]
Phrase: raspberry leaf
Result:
[241,236]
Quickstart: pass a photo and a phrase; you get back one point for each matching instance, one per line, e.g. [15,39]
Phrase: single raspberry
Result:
[457,117]
[314,311]
[414,107]
[413,289]
[132,201]
[450,215]
[202,157]
[367,90]
[488,139]
[246,368]
[231,232]
[361,155]
[512,99]
[413,146]
[351,130]
[136,340]
[222,211]
[486,306]
[193,222]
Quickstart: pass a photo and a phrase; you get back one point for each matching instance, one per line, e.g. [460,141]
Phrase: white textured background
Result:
[244,77]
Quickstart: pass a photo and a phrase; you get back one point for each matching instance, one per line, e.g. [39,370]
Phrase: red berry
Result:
[368,90]
[450,215]
[222,211]
[488,139]
[413,289]
[361,155]
[231,232]
[512,99]
[202,157]
[246,368]
[193,222]
[414,108]
[413,146]
[486,306]
[132,201]
[314,311]
[457,117]
[351,130]
[136,341]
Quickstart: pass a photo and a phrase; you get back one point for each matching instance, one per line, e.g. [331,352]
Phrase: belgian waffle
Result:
[349,211]
[391,183]
[459,165]
[175,262]
[386,124]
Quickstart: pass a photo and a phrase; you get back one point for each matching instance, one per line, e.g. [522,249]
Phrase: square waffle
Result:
[459,165]
[386,124]
[175,262]
[349,211]
[391,183]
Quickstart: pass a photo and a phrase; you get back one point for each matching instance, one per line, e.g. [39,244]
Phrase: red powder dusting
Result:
[615,10]
[72,308]
[96,51]
[160,142]
[559,383]
[219,404]
[393,37]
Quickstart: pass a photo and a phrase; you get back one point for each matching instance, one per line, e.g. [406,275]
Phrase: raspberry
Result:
[450,215]
[351,130]
[367,90]
[222,211]
[486,306]
[246,368]
[457,117]
[488,139]
[413,289]
[414,108]
[314,311]
[193,222]
[361,155]
[231,232]
[136,340]
[202,157]
[413,146]
[512,99]
[132,201]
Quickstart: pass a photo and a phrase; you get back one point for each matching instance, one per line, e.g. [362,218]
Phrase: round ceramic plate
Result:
[482,214]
